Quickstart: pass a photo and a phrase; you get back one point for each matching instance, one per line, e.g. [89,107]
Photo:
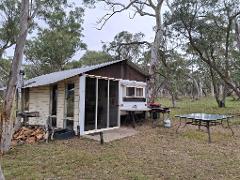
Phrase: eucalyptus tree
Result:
[237,31]
[151,8]
[9,10]
[7,115]
[208,27]
[174,69]
[28,11]
[5,65]
[126,45]
[90,57]
[212,80]
[95,57]
[55,45]
[1,173]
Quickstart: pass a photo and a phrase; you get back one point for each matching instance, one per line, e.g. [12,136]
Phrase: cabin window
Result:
[130,91]
[134,92]
[139,92]
[70,100]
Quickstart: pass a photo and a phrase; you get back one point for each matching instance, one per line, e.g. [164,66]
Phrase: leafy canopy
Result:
[54,46]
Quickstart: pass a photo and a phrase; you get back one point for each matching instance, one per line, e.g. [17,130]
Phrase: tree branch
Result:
[132,43]
[141,12]
[136,4]
[113,5]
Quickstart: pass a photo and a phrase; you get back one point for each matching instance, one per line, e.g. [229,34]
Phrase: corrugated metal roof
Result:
[61,75]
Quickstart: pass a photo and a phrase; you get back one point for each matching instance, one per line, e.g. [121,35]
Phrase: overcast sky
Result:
[119,22]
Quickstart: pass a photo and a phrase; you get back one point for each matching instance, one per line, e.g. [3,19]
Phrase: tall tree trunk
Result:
[221,89]
[220,102]
[212,90]
[8,115]
[173,98]
[196,87]
[1,174]
[153,68]
[200,89]
[155,57]
[237,31]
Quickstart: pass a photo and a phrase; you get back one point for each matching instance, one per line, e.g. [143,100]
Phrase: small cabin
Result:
[88,99]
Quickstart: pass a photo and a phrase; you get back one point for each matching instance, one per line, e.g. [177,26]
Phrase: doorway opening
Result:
[53,105]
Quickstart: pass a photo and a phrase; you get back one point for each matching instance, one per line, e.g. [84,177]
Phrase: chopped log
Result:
[31,140]
[28,135]
[28,132]
[39,136]
[38,131]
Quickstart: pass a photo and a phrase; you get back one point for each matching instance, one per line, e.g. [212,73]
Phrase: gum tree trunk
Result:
[237,31]
[1,174]
[154,62]
[8,115]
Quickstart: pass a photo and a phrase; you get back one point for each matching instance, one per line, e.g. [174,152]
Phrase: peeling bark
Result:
[155,57]
[220,101]
[237,31]
[1,174]
[8,115]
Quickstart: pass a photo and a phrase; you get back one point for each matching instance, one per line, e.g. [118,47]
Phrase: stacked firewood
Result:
[29,135]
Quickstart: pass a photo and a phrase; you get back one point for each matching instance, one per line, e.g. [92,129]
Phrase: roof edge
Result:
[137,68]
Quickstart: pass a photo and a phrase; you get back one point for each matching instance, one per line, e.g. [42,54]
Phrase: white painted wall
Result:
[131,106]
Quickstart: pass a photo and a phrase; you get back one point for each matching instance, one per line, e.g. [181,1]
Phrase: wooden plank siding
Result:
[119,70]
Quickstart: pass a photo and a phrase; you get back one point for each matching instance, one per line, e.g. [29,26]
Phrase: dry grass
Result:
[154,153]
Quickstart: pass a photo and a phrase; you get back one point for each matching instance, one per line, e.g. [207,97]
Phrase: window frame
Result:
[126,91]
[96,129]
[66,100]
[135,92]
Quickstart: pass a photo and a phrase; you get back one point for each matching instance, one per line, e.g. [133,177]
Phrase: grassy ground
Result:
[154,153]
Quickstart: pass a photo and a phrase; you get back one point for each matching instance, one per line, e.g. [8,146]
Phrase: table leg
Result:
[153,119]
[159,119]
[133,119]
[208,130]
[199,125]
[101,138]
[230,127]
[222,123]
[180,119]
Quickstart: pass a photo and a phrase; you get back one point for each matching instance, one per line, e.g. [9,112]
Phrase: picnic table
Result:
[206,120]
